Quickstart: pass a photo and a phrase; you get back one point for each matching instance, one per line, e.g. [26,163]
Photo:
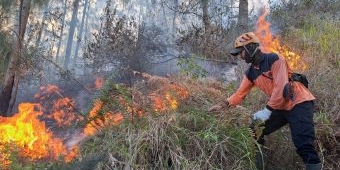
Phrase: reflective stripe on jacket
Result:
[271,76]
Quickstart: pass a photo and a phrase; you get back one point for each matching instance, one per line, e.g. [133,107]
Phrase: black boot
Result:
[313,166]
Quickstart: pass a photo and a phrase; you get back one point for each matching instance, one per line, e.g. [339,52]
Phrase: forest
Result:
[127,84]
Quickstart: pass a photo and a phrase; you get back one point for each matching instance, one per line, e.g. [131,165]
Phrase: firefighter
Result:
[290,102]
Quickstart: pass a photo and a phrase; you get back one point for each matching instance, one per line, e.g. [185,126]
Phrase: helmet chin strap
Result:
[252,55]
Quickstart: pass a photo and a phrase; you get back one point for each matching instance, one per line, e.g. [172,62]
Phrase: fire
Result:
[130,109]
[168,98]
[164,94]
[99,82]
[62,112]
[269,43]
[62,109]
[25,133]
[97,121]
[90,128]
[72,154]
[28,135]
[45,92]
[159,103]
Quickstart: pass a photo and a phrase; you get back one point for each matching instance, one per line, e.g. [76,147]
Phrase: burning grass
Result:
[188,137]
[181,137]
[128,128]
[24,135]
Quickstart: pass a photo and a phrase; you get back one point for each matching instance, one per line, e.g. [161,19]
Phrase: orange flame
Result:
[99,82]
[99,121]
[33,140]
[130,109]
[45,91]
[72,154]
[62,112]
[63,109]
[168,99]
[25,132]
[90,129]
[269,43]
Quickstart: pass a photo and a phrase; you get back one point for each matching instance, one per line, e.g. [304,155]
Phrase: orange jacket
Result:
[271,76]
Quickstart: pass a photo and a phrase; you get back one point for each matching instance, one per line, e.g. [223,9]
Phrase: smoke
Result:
[258,5]
[75,139]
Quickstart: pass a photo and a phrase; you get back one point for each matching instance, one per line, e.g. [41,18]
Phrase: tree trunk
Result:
[87,70]
[10,88]
[175,17]
[87,23]
[164,15]
[42,27]
[80,32]
[71,34]
[61,32]
[243,16]
[206,24]
[206,18]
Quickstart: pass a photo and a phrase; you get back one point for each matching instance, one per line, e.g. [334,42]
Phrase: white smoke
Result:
[257,5]
[75,139]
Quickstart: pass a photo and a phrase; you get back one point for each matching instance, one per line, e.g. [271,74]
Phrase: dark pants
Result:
[300,120]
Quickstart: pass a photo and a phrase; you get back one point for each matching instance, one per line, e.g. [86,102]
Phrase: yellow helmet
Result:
[243,40]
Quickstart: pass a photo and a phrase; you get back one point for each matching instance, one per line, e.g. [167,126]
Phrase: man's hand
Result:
[220,106]
[262,114]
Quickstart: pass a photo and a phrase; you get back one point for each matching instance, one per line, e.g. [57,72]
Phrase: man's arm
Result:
[245,87]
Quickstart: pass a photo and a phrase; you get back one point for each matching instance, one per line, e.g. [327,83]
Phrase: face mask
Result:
[250,54]
[247,58]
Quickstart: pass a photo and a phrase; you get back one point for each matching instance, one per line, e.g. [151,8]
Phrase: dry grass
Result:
[188,137]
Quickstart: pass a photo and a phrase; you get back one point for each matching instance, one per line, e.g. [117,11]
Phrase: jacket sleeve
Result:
[241,92]
[280,79]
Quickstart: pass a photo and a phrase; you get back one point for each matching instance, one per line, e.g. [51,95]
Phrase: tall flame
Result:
[269,43]
[30,136]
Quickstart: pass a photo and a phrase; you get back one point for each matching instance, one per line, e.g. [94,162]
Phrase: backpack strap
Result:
[271,78]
